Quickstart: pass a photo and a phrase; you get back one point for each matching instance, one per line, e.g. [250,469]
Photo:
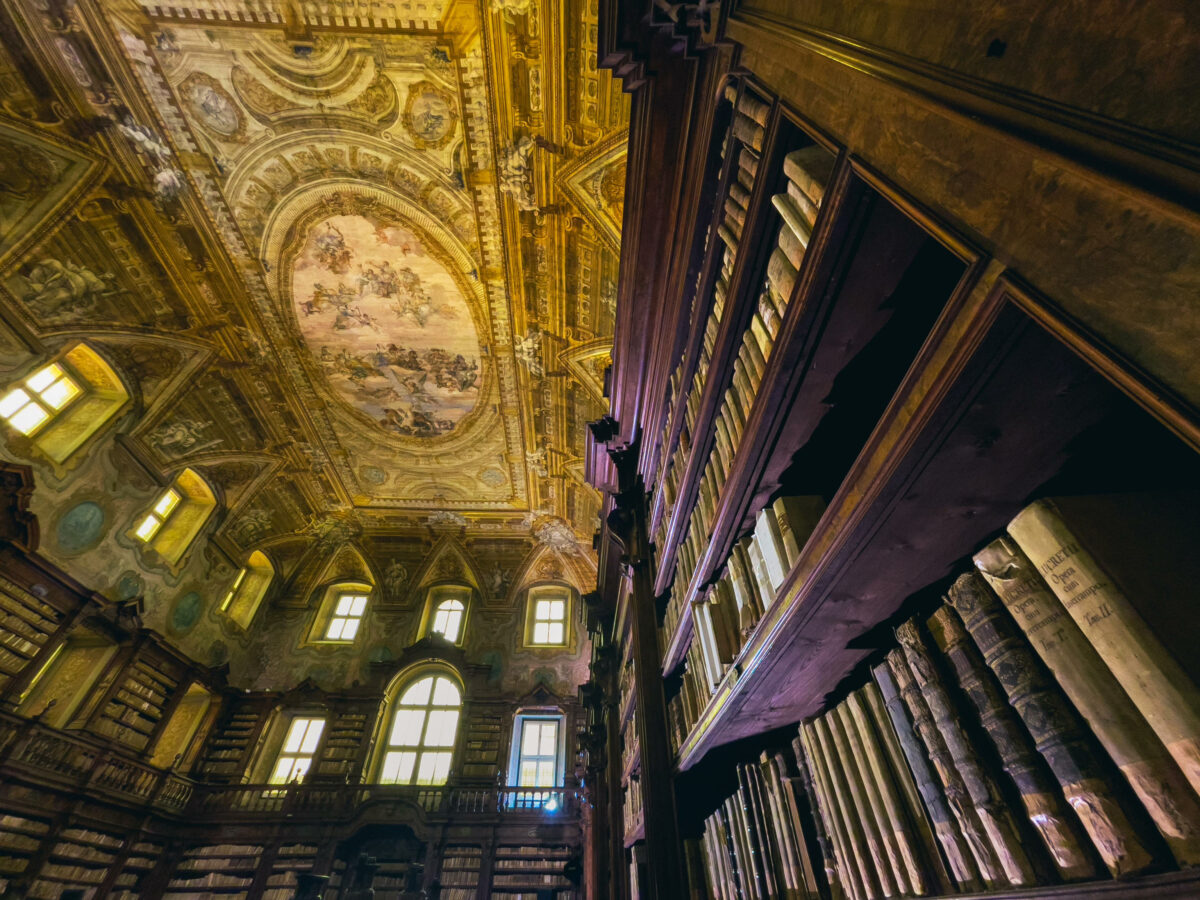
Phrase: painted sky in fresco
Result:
[387,324]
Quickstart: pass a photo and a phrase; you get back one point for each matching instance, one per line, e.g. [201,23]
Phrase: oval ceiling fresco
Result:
[387,324]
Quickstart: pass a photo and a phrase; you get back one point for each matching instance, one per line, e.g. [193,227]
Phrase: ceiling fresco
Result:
[388,325]
[356,264]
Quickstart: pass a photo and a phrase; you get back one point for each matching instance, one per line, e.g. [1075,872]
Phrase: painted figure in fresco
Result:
[54,286]
[331,248]
[182,435]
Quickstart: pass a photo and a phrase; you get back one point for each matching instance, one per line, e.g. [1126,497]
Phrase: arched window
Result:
[419,743]
[64,403]
[547,617]
[446,611]
[177,516]
[249,588]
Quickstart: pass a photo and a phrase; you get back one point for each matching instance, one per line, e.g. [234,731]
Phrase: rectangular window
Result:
[537,764]
[50,389]
[550,622]
[156,517]
[237,583]
[347,616]
[298,749]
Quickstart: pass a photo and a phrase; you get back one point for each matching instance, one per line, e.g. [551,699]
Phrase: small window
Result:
[177,516]
[547,620]
[420,742]
[447,619]
[299,748]
[347,616]
[64,403]
[248,589]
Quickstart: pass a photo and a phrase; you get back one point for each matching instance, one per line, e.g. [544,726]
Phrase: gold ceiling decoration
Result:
[381,238]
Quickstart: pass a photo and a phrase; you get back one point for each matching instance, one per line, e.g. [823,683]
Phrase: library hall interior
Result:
[599,450]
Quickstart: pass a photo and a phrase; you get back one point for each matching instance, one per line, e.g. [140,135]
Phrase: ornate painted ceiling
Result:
[375,242]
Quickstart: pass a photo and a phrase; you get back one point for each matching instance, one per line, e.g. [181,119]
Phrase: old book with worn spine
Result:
[943,879]
[851,869]
[1090,685]
[882,781]
[1153,679]
[770,544]
[1057,732]
[793,218]
[849,743]
[1040,794]
[797,518]
[821,831]
[993,813]
[957,796]
[810,168]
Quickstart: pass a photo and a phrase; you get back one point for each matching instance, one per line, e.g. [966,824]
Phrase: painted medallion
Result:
[387,324]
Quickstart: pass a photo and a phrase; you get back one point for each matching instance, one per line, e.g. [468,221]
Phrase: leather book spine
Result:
[1039,793]
[867,857]
[822,836]
[1057,732]
[849,875]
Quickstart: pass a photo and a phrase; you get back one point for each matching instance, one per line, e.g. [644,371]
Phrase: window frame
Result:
[439,594]
[99,395]
[534,796]
[181,523]
[249,589]
[311,756]
[318,631]
[419,749]
[538,593]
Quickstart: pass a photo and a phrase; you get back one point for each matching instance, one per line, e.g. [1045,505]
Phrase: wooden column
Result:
[627,522]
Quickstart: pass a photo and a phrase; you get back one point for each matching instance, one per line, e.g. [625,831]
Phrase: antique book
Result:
[751,106]
[762,337]
[755,356]
[810,169]
[793,245]
[735,216]
[756,832]
[893,876]
[1039,793]
[941,879]
[850,852]
[726,448]
[993,813]
[1150,675]
[1090,685]
[758,568]
[789,836]
[797,518]
[781,274]
[739,195]
[867,852]
[957,797]
[748,162]
[728,238]
[724,613]
[770,544]
[744,589]
[881,781]
[803,203]
[769,312]
[744,387]
[1057,732]
[821,833]
[793,218]
[748,131]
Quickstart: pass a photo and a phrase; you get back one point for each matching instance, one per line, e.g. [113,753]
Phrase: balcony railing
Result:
[82,763]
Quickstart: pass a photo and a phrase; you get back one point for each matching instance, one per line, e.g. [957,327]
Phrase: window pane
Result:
[528,776]
[434,768]
[334,631]
[543,610]
[300,768]
[555,633]
[549,742]
[418,694]
[350,629]
[60,393]
[440,732]
[545,773]
[358,604]
[42,378]
[13,401]
[29,418]
[146,530]
[529,738]
[445,693]
[541,633]
[345,604]
[283,768]
[166,502]
[406,728]
[312,736]
[398,767]
[556,610]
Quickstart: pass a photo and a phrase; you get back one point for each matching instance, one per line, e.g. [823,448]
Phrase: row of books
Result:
[753,845]
[976,759]
[745,137]
[631,807]
[724,616]
[807,172]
